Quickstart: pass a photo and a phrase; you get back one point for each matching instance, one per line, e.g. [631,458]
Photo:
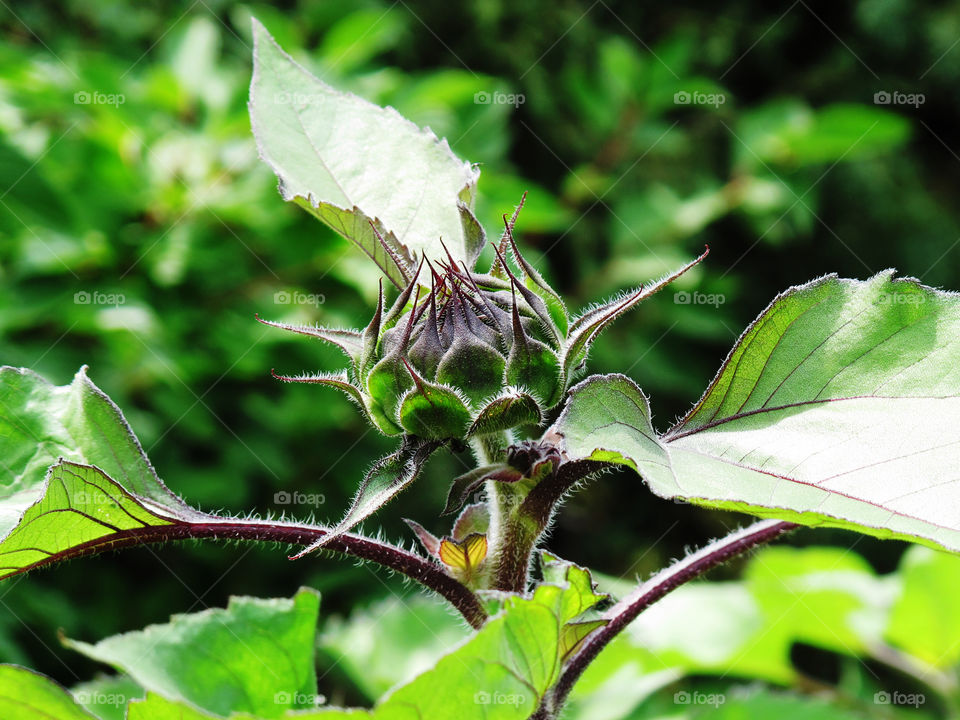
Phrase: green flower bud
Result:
[479,353]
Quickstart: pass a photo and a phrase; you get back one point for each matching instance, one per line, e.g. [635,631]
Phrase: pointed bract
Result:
[350,341]
[429,541]
[383,482]
[584,329]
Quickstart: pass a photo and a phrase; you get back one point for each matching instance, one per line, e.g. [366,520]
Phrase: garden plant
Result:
[838,407]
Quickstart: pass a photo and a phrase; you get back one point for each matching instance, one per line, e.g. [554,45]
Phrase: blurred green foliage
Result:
[139,234]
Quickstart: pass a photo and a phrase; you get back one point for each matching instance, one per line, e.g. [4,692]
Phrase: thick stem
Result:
[667,580]
[532,510]
[508,537]
[427,573]
[517,536]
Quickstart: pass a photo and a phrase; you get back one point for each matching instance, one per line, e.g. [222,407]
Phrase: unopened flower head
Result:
[461,353]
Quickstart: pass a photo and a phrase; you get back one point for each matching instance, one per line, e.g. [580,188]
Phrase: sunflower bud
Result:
[475,354]
[461,354]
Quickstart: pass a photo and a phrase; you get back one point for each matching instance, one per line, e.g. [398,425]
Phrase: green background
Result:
[160,199]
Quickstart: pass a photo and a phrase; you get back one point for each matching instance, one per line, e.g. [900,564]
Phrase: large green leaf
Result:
[255,656]
[25,695]
[357,166]
[40,423]
[61,448]
[838,406]
[502,672]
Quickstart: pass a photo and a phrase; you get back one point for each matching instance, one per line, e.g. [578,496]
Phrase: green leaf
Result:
[40,423]
[503,671]
[390,642]
[837,407]
[81,508]
[255,656]
[363,170]
[826,597]
[925,618]
[107,697]
[25,695]
[388,477]
[348,340]
[72,507]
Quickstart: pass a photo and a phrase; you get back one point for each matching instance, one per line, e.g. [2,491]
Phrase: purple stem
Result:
[646,594]
[427,573]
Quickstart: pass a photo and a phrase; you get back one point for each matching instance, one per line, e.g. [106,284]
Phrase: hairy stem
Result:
[532,510]
[424,572]
[667,580]
[517,536]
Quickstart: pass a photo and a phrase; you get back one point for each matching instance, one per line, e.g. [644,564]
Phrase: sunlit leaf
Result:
[837,407]
[393,188]
[26,695]
[255,656]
